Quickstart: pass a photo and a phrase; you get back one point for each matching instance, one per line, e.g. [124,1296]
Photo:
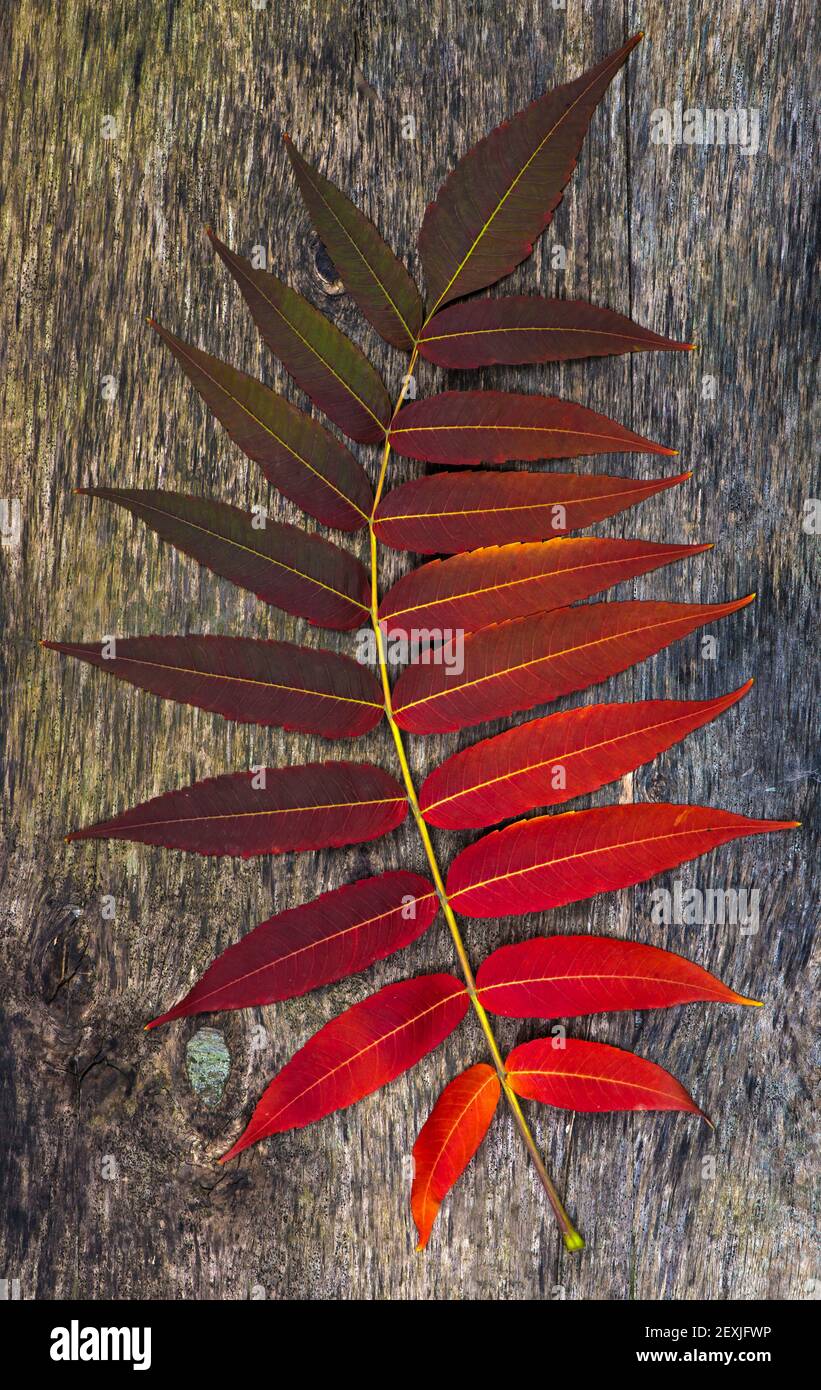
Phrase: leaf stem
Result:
[572,1239]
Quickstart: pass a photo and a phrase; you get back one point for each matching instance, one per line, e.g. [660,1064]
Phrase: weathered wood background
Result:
[111,1184]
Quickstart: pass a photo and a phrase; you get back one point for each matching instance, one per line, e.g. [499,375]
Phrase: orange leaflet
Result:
[528,661]
[487,586]
[448,1140]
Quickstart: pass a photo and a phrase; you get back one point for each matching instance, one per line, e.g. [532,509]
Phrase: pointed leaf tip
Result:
[502,195]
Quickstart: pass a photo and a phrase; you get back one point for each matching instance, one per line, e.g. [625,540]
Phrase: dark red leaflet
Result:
[467,427]
[330,368]
[336,935]
[270,811]
[246,680]
[449,512]
[374,277]
[502,194]
[527,328]
[298,456]
[283,565]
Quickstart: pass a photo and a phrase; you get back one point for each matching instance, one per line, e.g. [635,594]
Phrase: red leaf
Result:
[502,194]
[448,1140]
[467,427]
[327,365]
[295,452]
[552,860]
[592,745]
[356,1053]
[567,976]
[448,512]
[591,1076]
[373,276]
[283,565]
[527,328]
[526,662]
[339,934]
[248,681]
[314,806]
[480,587]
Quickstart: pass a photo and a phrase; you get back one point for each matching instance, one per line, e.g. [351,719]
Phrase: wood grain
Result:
[111,1184]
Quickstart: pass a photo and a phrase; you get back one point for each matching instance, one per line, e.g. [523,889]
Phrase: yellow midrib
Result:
[673,552]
